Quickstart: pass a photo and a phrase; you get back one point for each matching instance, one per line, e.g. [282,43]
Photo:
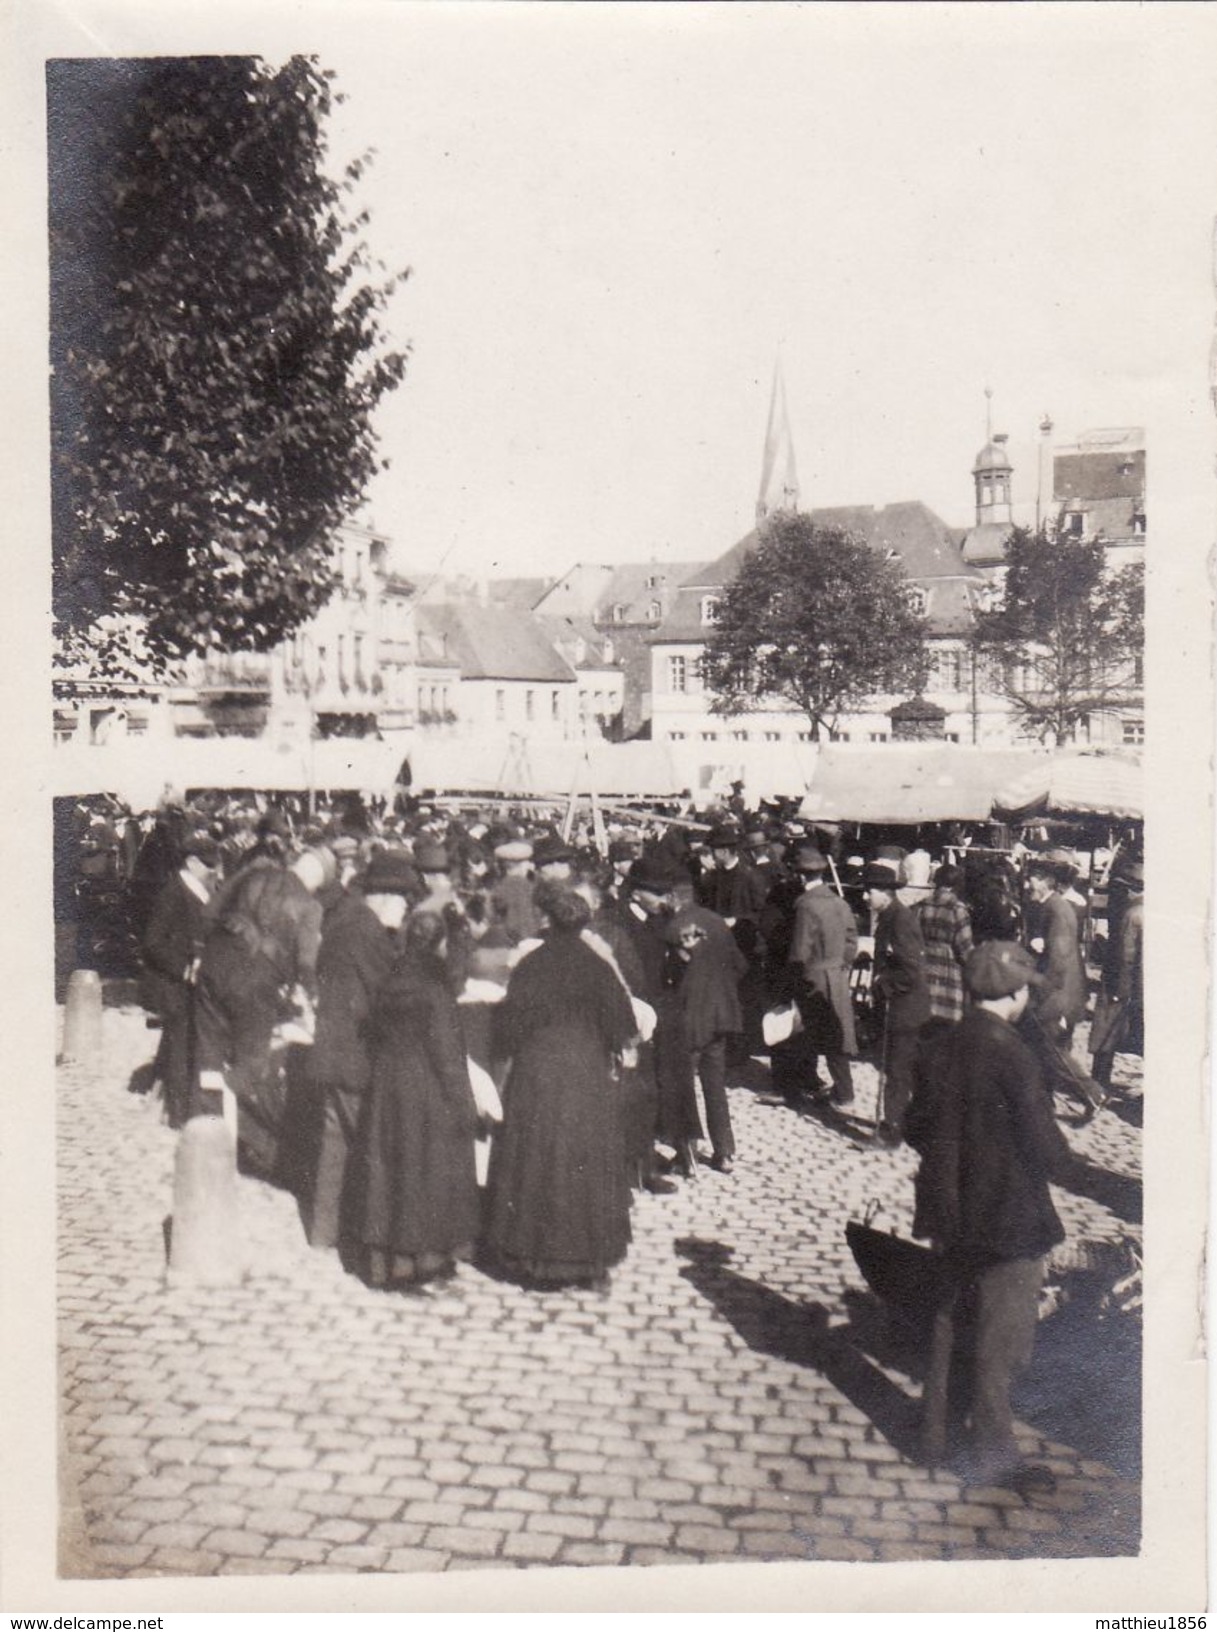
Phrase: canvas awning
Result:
[1075,783]
[519,769]
[910,782]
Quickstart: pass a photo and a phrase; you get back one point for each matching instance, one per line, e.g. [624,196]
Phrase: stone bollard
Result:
[82,1034]
[205,1242]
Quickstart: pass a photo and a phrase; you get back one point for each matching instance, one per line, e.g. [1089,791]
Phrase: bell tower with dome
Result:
[984,544]
[991,473]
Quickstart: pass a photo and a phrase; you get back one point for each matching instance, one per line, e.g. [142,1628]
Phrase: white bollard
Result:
[82,1035]
[205,1241]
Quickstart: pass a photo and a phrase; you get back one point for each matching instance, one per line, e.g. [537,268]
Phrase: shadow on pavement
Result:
[800,1333]
[1120,1194]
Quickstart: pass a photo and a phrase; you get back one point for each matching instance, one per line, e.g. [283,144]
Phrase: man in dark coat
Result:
[645,914]
[259,963]
[900,983]
[358,943]
[989,1144]
[173,944]
[1119,1015]
[737,891]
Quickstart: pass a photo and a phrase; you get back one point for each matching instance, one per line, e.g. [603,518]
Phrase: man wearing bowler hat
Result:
[989,1144]
[823,947]
[900,982]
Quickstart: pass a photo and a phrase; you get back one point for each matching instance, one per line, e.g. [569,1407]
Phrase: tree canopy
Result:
[1067,632]
[217,352]
[817,618]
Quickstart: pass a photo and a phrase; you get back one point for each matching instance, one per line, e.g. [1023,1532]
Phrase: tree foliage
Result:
[1066,634]
[816,618]
[217,352]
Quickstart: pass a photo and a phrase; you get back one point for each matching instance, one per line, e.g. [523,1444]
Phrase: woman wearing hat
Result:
[358,944]
[946,929]
[415,1174]
[557,1196]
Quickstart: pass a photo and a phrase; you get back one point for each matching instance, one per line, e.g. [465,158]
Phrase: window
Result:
[555,706]
[361,679]
[948,670]
[773,736]
[1138,521]
[739,736]
[711,606]
[676,736]
[1073,523]
[654,612]
[678,676]
[655,581]
[709,736]
[878,736]
[1138,670]
[530,698]
[500,705]
[919,599]
[952,736]
[618,614]
[1133,733]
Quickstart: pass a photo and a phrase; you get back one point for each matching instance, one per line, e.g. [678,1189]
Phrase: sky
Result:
[619,219]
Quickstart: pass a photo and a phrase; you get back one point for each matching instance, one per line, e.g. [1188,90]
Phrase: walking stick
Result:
[881,1097]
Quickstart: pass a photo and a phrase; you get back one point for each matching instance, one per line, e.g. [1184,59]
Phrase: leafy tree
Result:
[1064,638]
[217,353]
[817,618]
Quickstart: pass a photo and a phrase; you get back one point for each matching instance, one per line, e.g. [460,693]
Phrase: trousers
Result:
[710,1064]
[985,1328]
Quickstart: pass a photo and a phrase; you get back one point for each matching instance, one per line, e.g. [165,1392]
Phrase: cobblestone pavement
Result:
[737,1394]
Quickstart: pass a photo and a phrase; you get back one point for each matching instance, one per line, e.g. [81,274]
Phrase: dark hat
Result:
[274,822]
[430,857]
[649,874]
[1000,968]
[390,872]
[723,836]
[880,875]
[625,849]
[807,859]
[1131,873]
[949,877]
[549,849]
[756,838]
[203,846]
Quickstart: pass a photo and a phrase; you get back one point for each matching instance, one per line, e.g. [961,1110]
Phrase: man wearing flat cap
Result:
[989,1144]
[514,917]
[823,947]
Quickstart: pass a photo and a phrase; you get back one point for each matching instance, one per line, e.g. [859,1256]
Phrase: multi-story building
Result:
[952,575]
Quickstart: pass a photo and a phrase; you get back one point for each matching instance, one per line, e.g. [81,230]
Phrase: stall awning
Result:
[518,769]
[1076,783]
[910,782]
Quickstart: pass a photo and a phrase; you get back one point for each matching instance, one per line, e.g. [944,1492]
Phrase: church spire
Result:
[779,479]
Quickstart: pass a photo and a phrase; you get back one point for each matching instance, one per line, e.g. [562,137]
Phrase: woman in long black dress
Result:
[558,1199]
[418,1197]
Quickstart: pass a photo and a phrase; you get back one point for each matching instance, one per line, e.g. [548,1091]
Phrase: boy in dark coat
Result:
[988,1141]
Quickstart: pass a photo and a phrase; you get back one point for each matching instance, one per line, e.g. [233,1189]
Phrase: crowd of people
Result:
[387,995]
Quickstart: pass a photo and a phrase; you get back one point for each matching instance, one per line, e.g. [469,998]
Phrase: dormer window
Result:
[654,582]
[654,612]
[919,600]
[711,606]
[1073,523]
[618,613]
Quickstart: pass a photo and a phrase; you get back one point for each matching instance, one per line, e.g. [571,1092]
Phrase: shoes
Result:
[888,1135]
[660,1187]
[723,1164]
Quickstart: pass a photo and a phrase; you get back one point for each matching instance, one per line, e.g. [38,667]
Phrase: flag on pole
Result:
[779,478]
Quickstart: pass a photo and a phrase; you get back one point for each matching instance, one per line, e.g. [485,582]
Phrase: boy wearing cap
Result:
[989,1144]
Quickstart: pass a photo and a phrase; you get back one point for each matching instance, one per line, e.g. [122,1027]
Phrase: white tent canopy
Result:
[911,782]
[515,768]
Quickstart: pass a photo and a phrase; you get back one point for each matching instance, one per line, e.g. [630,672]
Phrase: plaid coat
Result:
[946,929]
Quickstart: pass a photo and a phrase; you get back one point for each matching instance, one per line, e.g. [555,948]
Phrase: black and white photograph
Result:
[616,650]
